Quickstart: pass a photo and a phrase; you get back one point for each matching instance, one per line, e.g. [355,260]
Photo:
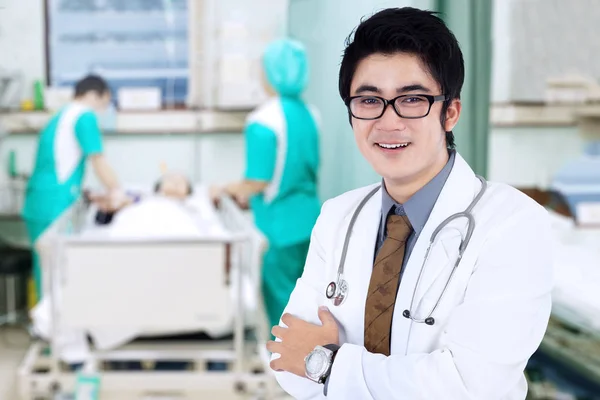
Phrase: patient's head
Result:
[174,185]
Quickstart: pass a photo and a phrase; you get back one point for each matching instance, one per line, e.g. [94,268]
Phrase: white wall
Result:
[22,41]
[535,40]
[210,158]
[531,156]
[501,54]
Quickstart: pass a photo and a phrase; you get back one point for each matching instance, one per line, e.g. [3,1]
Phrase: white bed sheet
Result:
[154,217]
[576,294]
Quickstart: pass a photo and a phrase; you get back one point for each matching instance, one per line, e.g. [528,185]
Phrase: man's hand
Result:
[299,339]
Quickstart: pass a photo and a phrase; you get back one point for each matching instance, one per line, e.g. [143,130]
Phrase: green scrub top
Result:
[282,144]
[64,144]
[282,147]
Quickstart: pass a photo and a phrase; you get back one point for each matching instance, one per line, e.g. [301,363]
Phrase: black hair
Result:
[91,83]
[159,182]
[413,31]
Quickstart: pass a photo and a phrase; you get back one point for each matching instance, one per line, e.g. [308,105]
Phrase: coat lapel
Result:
[458,192]
[359,262]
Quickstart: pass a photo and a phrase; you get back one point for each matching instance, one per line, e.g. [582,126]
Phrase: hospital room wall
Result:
[514,152]
[524,156]
[206,158]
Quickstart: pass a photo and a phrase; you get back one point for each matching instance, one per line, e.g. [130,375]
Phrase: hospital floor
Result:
[13,346]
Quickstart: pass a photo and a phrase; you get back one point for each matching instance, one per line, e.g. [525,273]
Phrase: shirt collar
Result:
[419,206]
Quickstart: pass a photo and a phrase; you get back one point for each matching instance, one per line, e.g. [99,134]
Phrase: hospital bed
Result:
[572,339]
[143,287]
[575,297]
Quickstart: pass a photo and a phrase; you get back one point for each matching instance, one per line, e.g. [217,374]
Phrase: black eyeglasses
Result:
[410,106]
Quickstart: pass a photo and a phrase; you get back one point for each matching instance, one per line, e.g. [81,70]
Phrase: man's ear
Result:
[452,114]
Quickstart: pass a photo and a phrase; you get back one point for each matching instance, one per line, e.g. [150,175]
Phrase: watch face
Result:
[316,363]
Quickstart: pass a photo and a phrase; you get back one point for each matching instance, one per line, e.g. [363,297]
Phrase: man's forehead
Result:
[399,73]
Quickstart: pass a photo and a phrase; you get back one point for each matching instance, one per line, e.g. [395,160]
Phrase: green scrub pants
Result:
[34,231]
[282,266]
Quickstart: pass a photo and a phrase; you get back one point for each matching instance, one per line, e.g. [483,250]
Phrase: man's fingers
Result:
[278,331]
[288,319]
[276,365]
[325,316]
[274,347]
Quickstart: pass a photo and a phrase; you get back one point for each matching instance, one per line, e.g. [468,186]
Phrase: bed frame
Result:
[157,286]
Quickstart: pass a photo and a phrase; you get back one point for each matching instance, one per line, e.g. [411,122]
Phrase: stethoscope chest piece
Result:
[337,292]
[330,290]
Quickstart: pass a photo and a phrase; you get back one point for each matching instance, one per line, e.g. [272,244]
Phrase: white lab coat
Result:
[490,321]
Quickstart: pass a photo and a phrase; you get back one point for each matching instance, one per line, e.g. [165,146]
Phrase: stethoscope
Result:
[337,291]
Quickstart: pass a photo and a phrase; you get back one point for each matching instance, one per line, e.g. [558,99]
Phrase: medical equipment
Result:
[148,287]
[338,291]
[578,182]
[11,85]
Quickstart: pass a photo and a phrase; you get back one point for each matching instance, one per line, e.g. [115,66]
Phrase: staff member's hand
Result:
[299,339]
[215,192]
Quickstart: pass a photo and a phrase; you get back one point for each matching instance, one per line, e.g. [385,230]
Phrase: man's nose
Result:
[390,120]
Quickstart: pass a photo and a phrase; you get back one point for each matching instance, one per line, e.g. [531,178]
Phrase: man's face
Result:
[425,152]
[103,102]
[98,102]
[174,186]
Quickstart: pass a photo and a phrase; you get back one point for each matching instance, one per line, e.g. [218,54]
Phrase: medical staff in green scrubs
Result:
[70,138]
[282,163]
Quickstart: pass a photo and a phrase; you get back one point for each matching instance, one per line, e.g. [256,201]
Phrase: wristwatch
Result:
[318,362]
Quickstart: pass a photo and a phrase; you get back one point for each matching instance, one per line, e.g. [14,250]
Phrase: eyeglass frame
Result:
[432,99]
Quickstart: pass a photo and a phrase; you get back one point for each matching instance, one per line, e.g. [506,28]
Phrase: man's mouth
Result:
[393,146]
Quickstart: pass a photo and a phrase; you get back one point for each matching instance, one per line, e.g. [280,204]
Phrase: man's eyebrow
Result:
[412,88]
[367,88]
[404,89]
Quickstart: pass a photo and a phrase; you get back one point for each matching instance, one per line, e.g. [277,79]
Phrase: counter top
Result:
[141,122]
[182,121]
[541,114]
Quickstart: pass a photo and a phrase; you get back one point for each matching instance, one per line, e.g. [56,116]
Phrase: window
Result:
[131,43]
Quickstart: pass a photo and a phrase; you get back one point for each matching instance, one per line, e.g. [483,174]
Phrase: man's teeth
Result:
[393,146]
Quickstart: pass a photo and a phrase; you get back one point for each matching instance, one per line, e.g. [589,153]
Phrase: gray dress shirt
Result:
[417,208]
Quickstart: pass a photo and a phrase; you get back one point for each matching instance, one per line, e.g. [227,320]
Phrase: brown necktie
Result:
[383,287]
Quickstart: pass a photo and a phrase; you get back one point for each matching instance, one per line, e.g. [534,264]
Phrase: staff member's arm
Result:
[261,153]
[90,140]
[487,341]
[104,172]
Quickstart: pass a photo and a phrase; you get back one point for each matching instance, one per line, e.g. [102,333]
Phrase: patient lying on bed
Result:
[172,211]
[168,212]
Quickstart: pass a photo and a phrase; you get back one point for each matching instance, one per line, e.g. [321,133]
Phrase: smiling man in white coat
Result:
[460,323]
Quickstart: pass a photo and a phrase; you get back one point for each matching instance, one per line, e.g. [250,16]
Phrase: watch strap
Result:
[334,348]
